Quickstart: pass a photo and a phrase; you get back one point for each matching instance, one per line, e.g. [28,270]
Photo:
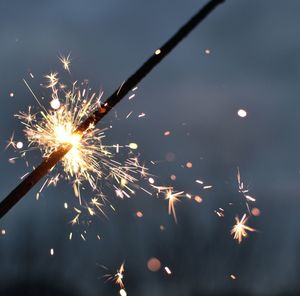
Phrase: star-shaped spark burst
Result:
[66,62]
[239,230]
[172,197]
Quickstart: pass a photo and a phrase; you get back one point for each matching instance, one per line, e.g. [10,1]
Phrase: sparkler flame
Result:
[88,160]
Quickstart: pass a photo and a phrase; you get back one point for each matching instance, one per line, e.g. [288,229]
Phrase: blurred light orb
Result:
[19,145]
[189,165]
[139,214]
[255,212]
[151,180]
[123,292]
[133,146]
[153,264]
[198,199]
[55,104]
[242,113]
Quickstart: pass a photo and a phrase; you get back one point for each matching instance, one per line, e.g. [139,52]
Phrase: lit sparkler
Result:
[239,230]
[96,115]
[88,160]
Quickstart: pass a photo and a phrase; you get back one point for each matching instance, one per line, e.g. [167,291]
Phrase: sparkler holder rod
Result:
[47,164]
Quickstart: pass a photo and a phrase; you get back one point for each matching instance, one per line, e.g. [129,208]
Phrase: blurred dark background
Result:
[254,64]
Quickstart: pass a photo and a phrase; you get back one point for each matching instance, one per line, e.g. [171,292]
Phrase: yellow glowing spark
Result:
[52,80]
[239,230]
[172,197]
[119,276]
[66,61]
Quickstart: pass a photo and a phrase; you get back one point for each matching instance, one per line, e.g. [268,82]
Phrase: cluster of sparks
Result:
[90,161]
[239,229]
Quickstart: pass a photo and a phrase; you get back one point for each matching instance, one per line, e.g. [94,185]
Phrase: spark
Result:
[242,113]
[66,61]
[52,80]
[239,230]
[172,197]
[168,270]
[118,277]
[242,189]
[157,52]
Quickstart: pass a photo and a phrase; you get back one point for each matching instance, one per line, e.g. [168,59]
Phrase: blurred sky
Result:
[254,64]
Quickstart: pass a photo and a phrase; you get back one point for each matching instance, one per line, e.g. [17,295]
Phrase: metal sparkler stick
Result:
[47,164]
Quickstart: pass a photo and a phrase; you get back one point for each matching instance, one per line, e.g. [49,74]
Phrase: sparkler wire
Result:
[47,164]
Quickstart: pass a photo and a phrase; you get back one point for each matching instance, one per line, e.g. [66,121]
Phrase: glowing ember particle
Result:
[3,231]
[173,177]
[242,113]
[167,133]
[255,212]
[139,214]
[207,187]
[200,182]
[198,199]
[131,97]
[151,180]
[19,145]
[55,104]
[70,236]
[52,252]
[207,51]
[158,51]
[153,264]
[189,165]
[168,271]
[11,94]
[162,228]
[142,115]
[122,292]
[133,146]
[65,205]
[233,276]
[239,230]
